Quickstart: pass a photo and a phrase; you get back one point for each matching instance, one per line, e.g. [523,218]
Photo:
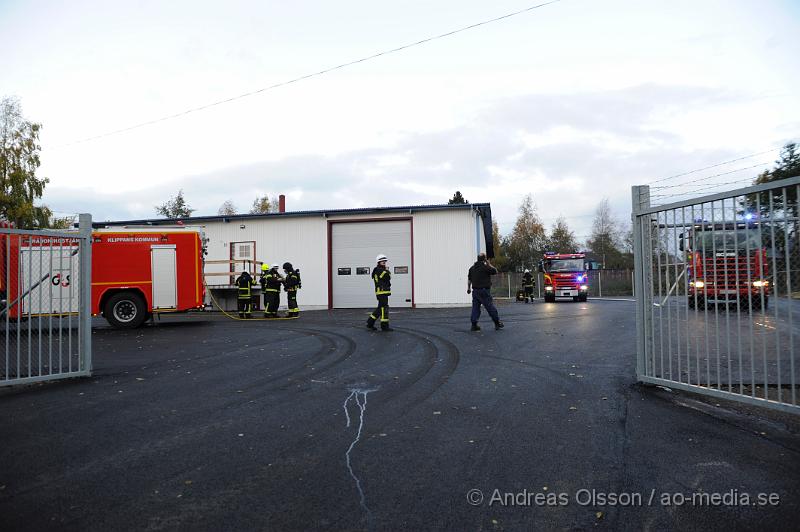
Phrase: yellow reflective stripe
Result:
[384,273]
[271,290]
[383,292]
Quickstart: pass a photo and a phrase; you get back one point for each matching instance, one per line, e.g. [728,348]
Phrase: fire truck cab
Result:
[137,272]
[564,276]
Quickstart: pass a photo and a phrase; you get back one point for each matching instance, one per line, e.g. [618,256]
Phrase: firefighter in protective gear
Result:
[271,286]
[245,284]
[291,285]
[383,289]
[528,282]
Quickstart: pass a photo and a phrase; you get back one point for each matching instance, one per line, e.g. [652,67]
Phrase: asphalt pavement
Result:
[198,422]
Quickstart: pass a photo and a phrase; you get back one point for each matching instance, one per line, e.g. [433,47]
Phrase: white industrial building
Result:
[430,249]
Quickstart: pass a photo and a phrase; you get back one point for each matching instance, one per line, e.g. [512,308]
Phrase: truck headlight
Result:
[548,288]
[760,284]
[584,287]
[698,284]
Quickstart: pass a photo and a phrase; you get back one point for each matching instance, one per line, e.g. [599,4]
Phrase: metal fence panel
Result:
[720,297]
[45,308]
[602,283]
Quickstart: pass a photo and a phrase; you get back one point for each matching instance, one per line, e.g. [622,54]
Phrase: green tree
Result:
[562,239]
[227,209]
[262,205]
[175,207]
[787,166]
[500,259]
[457,199]
[19,160]
[528,240]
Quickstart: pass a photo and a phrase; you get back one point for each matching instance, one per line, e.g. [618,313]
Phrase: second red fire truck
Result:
[564,276]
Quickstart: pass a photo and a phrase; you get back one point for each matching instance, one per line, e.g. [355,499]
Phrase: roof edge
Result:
[291,214]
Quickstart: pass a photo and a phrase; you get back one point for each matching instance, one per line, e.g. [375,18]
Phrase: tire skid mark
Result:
[293,375]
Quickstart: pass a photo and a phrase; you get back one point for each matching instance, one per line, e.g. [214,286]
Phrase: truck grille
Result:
[730,272]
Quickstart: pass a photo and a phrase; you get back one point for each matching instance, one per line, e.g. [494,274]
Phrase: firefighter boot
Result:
[475,327]
[385,327]
[371,323]
[498,325]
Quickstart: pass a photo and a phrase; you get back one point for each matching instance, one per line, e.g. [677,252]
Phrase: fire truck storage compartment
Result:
[165,279]
[49,278]
[354,246]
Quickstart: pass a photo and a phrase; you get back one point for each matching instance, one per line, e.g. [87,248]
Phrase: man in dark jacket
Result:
[383,289]
[479,283]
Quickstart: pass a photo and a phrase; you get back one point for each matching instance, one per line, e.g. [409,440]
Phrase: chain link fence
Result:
[602,283]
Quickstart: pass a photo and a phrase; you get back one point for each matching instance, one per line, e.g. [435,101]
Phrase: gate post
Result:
[640,199]
[85,308]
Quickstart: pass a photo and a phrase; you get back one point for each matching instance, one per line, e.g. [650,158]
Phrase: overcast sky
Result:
[572,102]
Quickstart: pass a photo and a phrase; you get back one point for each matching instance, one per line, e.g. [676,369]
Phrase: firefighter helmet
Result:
[527,270]
[381,258]
[287,266]
[274,266]
[265,267]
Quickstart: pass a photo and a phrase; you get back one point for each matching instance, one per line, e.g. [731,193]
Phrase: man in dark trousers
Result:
[271,286]
[383,289]
[291,285]
[244,302]
[479,283]
[527,284]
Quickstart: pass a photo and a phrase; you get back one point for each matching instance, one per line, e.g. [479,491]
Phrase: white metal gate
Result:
[718,293]
[45,309]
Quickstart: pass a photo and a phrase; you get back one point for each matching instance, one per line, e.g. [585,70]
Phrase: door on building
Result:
[243,256]
[354,246]
[165,279]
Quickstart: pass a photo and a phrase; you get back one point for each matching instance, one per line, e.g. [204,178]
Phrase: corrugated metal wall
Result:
[445,245]
[302,241]
[444,249]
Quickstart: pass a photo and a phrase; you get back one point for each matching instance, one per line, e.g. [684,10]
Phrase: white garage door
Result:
[354,247]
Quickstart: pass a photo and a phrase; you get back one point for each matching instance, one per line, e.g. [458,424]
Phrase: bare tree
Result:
[227,209]
[606,240]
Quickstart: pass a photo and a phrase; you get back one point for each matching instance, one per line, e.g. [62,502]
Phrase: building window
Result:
[362,271]
[343,271]
[401,269]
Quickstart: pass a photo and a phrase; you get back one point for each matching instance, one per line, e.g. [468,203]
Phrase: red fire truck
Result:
[726,263]
[136,273]
[564,276]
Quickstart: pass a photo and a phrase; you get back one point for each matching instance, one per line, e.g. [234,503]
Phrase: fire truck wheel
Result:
[125,310]
[582,298]
[549,299]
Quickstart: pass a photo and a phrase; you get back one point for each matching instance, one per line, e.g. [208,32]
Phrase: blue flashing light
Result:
[580,279]
[749,216]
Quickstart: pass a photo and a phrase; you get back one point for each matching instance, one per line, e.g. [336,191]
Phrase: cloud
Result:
[568,150]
